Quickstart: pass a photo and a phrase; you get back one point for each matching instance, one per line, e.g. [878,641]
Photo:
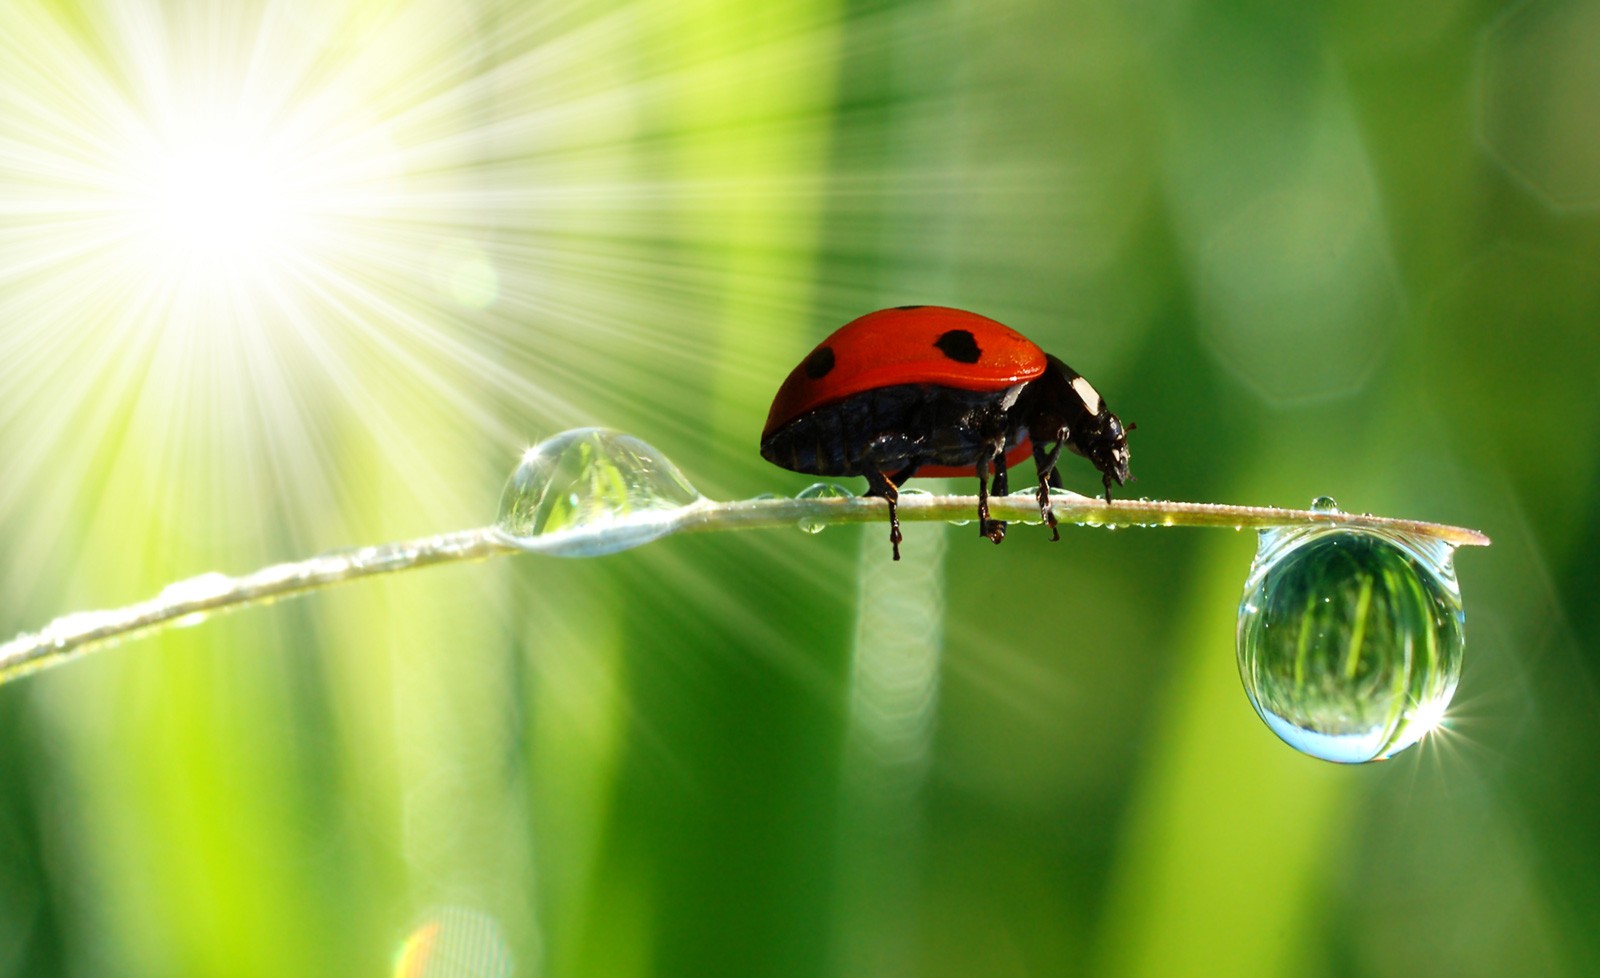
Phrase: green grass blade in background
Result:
[283,276]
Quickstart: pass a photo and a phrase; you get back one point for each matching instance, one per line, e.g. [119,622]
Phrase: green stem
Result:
[190,600]
[1069,508]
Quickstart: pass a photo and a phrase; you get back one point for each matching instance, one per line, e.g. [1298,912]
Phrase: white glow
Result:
[1430,716]
[218,199]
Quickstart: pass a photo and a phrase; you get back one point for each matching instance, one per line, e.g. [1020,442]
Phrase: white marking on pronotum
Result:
[1091,397]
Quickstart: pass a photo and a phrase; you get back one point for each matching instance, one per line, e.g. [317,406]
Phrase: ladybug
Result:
[934,391]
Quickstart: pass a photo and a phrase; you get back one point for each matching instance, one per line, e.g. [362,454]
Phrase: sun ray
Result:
[250,234]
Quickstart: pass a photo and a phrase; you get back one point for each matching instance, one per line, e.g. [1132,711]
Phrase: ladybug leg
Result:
[880,485]
[983,495]
[1002,486]
[993,529]
[1049,476]
[1045,461]
[1045,512]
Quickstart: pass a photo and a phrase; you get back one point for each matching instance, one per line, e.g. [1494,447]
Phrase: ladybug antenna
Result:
[1131,425]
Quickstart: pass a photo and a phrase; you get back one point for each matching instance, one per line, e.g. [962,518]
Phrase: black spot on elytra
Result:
[958,345]
[819,363]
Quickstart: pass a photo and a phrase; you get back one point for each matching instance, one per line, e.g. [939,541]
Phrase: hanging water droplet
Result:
[1324,504]
[1350,641]
[820,490]
[591,491]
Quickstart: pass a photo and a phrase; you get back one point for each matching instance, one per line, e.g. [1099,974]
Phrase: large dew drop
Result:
[1350,641]
[591,491]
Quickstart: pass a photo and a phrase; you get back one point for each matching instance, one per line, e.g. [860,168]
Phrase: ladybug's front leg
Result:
[879,485]
[1045,462]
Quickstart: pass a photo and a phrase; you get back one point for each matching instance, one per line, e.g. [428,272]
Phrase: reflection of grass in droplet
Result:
[1304,644]
[1358,636]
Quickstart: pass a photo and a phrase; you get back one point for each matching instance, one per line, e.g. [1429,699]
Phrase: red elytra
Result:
[935,391]
[901,346]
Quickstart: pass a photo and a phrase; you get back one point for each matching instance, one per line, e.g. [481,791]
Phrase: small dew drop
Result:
[1324,504]
[820,490]
[591,491]
[1350,641]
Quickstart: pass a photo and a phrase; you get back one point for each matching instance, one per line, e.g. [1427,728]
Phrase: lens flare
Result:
[455,942]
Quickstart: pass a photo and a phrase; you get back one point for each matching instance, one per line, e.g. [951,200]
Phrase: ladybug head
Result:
[1106,445]
[1062,398]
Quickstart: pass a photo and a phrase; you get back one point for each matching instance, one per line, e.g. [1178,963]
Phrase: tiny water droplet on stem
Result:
[820,490]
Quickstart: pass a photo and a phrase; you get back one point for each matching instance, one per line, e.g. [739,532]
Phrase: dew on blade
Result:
[1350,641]
[1324,504]
[591,491]
[820,490]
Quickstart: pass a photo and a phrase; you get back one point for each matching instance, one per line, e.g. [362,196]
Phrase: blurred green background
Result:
[289,275]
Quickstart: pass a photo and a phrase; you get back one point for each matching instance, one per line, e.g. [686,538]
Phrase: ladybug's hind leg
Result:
[880,485]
